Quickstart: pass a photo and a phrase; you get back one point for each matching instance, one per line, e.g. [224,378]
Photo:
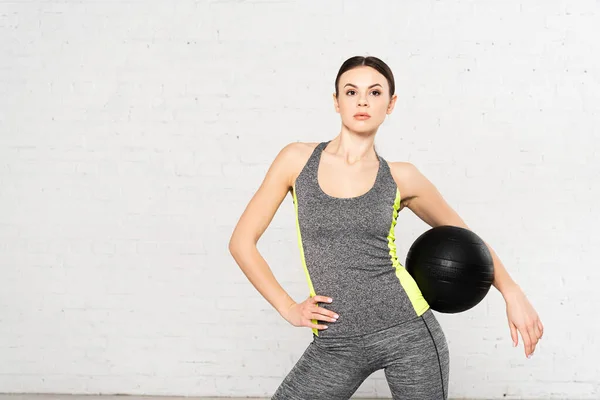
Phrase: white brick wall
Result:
[132,135]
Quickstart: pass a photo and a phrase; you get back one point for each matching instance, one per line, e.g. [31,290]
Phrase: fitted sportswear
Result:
[348,252]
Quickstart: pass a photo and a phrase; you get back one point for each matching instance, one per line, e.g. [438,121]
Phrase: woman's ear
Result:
[392,104]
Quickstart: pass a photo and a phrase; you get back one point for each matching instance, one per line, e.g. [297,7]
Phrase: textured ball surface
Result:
[452,266]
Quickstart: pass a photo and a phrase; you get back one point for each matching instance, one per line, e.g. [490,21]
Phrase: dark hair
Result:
[373,62]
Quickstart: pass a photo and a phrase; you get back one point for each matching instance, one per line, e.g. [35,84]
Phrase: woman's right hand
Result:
[301,314]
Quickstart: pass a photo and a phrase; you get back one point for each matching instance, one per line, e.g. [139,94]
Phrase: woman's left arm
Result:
[423,198]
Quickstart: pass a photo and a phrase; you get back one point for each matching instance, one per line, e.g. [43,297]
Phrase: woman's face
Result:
[363,90]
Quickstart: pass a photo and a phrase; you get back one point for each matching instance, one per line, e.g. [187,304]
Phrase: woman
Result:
[365,310]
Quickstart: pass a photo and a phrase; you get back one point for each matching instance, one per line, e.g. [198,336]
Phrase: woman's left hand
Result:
[522,317]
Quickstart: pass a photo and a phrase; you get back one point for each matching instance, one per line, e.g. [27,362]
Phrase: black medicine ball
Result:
[452,266]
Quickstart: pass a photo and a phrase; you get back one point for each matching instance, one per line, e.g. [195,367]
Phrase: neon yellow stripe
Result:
[406,280]
[310,285]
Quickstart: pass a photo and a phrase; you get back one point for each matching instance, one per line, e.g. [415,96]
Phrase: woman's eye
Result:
[374,91]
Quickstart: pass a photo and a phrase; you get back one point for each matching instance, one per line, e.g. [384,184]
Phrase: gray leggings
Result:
[414,356]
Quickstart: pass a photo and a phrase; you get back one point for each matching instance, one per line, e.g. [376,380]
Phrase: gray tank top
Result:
[348,252]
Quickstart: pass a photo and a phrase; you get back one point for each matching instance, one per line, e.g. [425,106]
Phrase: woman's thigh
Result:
[327,370]
[422,370]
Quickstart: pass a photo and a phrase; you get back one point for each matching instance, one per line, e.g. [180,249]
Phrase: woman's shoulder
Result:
[401,167]
[404,174]
[301,147]
[298,152]
[293,157]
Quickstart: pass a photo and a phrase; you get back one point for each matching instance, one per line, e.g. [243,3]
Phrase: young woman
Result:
[364,309]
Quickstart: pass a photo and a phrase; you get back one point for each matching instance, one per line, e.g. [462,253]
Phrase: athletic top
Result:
[348,252]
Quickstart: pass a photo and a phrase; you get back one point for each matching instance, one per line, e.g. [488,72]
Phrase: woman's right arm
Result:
[254,221]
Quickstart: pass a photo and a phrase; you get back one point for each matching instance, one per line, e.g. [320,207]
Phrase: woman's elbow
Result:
[238,244]
[233,245]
